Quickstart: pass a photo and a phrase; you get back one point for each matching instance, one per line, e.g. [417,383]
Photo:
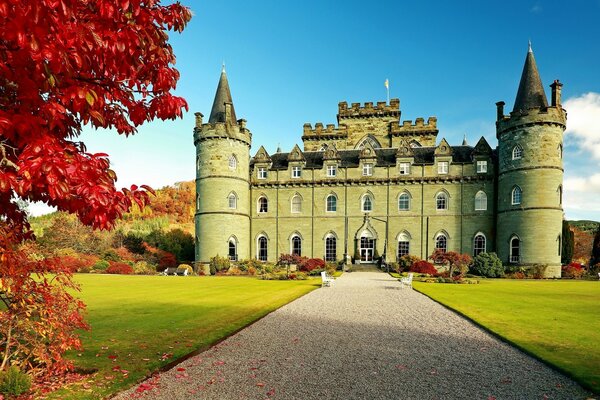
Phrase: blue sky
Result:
[292,62]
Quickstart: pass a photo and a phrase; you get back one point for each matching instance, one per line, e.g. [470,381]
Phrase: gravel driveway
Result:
[363,338]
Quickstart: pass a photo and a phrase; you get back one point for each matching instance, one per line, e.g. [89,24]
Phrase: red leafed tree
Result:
[65,64]
[455,261]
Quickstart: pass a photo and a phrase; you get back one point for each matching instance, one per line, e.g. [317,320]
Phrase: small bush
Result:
[233,270]
[13,382]
[487,264]
[573,270]
[405,262]
[144,268]
[111,255]
[101,265]
[219,264]
[119,268]
[312,263]
[423,267]
[316,272]
[516,275]
[184,267]
[251,271]
[537,271]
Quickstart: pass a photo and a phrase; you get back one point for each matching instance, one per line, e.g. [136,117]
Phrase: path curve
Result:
[363,338]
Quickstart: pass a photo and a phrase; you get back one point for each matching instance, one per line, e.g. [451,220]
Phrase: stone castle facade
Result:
[373,187]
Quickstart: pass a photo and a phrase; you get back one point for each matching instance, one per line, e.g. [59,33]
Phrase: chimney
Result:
[500,110]
[556,93]
[199,116]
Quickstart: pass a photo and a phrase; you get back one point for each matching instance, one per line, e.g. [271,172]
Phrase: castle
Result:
[373,187]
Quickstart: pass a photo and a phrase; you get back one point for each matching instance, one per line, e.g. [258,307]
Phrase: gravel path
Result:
[363,338]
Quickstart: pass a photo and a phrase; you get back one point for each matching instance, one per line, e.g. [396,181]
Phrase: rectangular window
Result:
[367,169]
[443,167]
[331,170]
[296,172]
[481,167]
[404,168]
[262,173]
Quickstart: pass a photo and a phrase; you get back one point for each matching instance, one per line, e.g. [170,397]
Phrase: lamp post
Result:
[386,240]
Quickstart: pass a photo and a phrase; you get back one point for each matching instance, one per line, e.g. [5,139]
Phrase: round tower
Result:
[222,216]
[530,175]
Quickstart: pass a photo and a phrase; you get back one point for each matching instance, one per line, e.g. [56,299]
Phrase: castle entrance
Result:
[366,249]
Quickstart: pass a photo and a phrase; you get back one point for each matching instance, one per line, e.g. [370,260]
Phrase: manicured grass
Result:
[145,322]
[557,321]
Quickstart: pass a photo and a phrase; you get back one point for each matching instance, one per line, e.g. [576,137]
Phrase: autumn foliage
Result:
[65,64]
[453,260]
[423,267]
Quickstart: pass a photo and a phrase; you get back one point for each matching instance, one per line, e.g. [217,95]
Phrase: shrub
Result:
[233,270]
[111,255]
[330,269]
[184,267]
[595,269]
[423,267]
[13,382]
[487,264]
[312,263]
[405,262]
[79,263]
[219,264]
[573,270]
[119,268]
[134,244]
[143,268]
[251,271]
[101,265]
[537,271]
[166,260]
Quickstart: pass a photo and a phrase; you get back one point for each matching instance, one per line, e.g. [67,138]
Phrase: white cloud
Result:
[583,122]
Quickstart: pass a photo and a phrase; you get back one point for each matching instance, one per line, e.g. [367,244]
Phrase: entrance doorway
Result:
[366,249]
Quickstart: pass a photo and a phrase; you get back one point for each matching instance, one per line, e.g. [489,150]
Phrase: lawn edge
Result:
[514,344]
[202,349]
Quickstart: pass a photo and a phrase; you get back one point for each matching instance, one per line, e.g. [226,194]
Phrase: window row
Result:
[262,248]
[441,243]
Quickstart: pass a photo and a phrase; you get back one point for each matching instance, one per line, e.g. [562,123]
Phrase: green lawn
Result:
[136,320]
[557,321]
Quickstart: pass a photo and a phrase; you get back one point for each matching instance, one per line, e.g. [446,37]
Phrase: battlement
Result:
[366,110]
[418,126]
[328,130]
[545,115]
[222,130]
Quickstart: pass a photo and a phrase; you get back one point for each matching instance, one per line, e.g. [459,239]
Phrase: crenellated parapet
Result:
[368,109]
[535,116]
[321,131]
[221,130]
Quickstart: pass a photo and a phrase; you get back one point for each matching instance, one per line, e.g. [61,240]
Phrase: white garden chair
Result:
[406,281]
[326,280]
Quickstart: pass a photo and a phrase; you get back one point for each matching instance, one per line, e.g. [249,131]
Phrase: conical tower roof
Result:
[223,95]
[531,92]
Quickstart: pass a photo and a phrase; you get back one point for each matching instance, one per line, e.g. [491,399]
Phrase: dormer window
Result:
[367,169]
[331,170]
[296,172]
[443,167]
[404,168]
[481,167]
[262,173]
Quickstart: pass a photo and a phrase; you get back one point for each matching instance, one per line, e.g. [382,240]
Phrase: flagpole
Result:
[387,88]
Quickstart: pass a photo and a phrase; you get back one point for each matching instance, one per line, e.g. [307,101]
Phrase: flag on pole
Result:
[387,88]
[387,84]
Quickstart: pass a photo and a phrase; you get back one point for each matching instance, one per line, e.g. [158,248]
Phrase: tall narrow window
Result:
[559,242]
[232,250]
[443,167]
[517,152]
[367,203]
[262,173]
[560,193]
[478,244]
[560,151]
[232,198]
[232,162]
[296,172]
[404,202]
[480,201]
[331,203]
[441,242]
[403,245]
[263,204]
[330,248]
[296,204]
[331,170]
[367,169]
[517,195]
[262,248]
[296,245]
[441,201]
[515,250]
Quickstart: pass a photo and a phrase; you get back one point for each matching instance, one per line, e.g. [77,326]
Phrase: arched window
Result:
[262,248]
[232,162]
[441,201]
[371,140]
[517,196]
[330,248]
[515,250]
[480,201]
[560,192]
[367,203]
[296,245]
[263,204]
[517,152]
[441,242]
[403,244]
[232,199]
[404,201]
[232,249]
[331,203]
[479,244]
[296,204]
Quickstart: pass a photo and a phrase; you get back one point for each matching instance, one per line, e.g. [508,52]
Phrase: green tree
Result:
[487,264]
[568,243]
[596,249]
[177,242]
